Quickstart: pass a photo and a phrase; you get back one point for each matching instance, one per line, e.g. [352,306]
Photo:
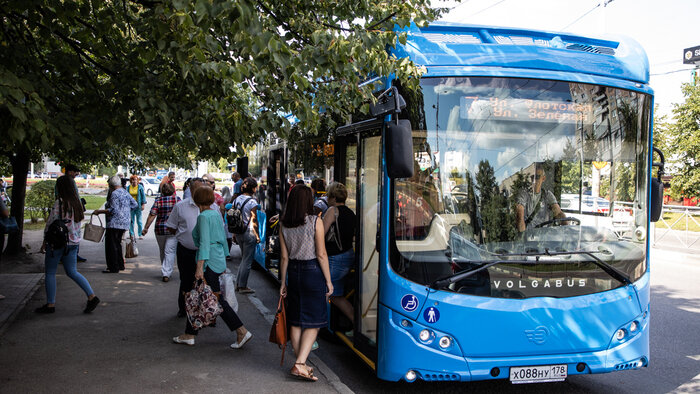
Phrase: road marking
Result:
[321,367]
[690,387]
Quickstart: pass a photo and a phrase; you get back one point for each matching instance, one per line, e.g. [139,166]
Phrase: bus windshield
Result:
[529,170]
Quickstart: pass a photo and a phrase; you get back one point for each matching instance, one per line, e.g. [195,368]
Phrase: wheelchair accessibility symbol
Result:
[409,303]
[431,315]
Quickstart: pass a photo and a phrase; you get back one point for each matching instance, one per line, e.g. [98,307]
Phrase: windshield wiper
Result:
[482,265]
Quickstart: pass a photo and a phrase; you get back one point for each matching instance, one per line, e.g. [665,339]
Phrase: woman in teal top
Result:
[210,239]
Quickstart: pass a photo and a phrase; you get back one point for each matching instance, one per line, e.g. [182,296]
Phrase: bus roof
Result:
[450,44]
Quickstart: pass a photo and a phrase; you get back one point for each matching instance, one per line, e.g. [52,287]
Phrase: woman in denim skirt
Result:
[305,276]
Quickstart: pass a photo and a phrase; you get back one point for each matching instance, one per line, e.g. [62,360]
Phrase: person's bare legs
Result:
[295,338]
[308,336]
[345,306]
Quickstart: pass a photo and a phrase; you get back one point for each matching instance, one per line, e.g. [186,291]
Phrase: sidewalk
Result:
[125,344]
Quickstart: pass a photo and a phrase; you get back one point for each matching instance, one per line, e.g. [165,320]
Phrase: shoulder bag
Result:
[333,234]
[278,333]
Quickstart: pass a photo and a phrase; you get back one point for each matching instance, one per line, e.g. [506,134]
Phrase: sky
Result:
[663,27]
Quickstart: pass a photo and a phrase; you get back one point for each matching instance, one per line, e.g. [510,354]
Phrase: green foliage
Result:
[40,199]
[683,141]
[141,82]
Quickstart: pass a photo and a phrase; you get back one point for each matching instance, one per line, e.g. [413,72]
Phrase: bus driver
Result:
[536,206]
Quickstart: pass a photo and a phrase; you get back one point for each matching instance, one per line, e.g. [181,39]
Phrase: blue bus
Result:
[489,204]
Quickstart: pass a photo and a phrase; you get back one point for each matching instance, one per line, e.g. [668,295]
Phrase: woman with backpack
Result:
[304,275]
[61,239]
[339,225]
[247,235]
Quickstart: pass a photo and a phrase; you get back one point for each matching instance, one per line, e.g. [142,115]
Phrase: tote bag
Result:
[94,232]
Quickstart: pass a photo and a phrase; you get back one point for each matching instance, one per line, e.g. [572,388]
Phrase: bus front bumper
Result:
[404,356]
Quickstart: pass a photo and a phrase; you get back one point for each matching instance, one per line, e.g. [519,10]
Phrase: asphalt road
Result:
[675,344]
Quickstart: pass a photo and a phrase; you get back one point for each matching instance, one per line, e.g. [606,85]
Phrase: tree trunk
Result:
[20,166]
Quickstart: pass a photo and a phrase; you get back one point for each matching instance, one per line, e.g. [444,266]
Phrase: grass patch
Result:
[35,226]
[671,217]
[94,202]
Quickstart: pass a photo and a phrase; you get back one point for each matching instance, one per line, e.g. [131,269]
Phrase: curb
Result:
[13,316]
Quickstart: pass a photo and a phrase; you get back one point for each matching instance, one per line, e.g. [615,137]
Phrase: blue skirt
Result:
[306,294]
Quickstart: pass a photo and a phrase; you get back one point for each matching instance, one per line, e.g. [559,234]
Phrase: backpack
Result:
[57,233]
[235,220]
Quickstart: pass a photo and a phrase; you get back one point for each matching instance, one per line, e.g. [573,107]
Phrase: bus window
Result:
[369,259]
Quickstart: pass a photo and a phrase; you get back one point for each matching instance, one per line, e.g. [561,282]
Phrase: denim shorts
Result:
[340,265]
[306,295]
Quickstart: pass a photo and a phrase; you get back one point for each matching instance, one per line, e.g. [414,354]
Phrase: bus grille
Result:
[622,367]
[430,376]
[591,49]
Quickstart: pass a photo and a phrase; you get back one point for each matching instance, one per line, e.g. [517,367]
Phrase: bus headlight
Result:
[620,334]
[410,376]
[445,342]
[425,335]
[634,326]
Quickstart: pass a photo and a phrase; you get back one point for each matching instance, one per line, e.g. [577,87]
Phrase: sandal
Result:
[307,375]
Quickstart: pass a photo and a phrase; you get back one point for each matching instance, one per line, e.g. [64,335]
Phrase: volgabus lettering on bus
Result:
[535,283]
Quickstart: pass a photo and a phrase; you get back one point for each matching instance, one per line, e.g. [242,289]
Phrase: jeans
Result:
[168,249]
[114,257]
[228,315]
[70,263]
[136,217]
[187,265]
[247,243]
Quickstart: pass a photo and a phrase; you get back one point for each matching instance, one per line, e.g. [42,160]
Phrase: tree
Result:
[144,81]
[683,142]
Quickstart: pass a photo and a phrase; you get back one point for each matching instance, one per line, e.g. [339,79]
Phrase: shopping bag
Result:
[131,249]
[202,305]
[228,290]
[278,333]
[94,232]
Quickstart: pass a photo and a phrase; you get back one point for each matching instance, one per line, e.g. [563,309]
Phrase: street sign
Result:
[691,55]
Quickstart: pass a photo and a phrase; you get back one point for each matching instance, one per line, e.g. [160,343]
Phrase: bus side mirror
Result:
[657,200]
[399,149]
[657,188]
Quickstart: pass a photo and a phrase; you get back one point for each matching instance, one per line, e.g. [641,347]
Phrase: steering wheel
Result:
[559,221]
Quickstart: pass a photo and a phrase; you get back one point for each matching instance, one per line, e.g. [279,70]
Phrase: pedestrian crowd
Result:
[196,233]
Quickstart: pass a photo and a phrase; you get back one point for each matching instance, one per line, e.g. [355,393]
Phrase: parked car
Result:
[589,203]
[150,185]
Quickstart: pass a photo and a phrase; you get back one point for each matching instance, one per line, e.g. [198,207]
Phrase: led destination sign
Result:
[516,109]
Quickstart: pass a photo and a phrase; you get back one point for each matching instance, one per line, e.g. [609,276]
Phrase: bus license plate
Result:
[538,374]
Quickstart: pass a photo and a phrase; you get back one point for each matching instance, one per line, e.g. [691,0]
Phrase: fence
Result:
[688,219]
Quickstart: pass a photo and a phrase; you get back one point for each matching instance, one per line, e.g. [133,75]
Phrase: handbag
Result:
[8,225]
[202,305]
[94,232]
[333,234]
[228,290]
[131,249]
[278,333]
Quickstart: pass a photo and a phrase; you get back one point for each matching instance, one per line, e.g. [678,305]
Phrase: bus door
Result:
[276,197]
[358,167]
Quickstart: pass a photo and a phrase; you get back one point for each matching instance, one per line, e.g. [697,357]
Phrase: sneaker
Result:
[2,297]
[81,259]
[188,342]
[91,304]
[245,339]
[314,346]
[245,290]
[45,309]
